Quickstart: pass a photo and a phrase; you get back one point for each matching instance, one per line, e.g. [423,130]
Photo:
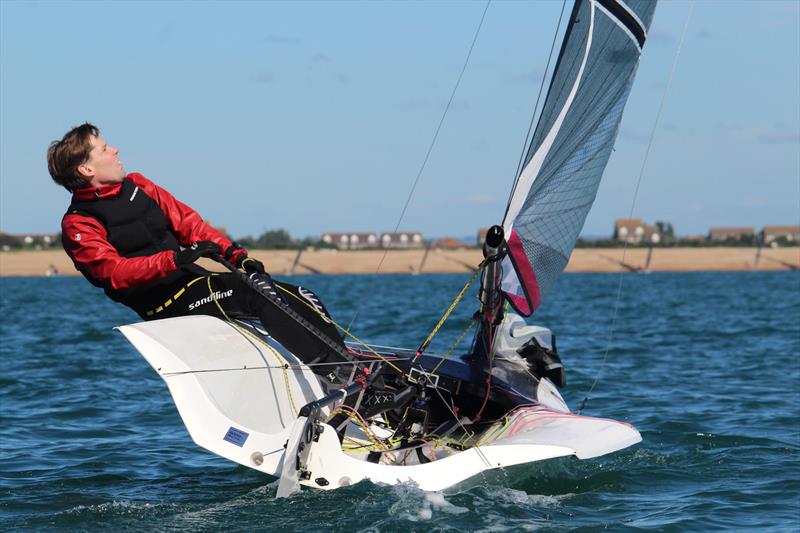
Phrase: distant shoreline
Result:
[279,262]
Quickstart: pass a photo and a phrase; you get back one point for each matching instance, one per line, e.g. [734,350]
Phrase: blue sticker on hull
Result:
[236,436]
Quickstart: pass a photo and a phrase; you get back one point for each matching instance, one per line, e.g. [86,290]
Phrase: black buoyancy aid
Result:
[136,227]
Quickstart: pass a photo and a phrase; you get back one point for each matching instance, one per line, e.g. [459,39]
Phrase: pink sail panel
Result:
[519,281]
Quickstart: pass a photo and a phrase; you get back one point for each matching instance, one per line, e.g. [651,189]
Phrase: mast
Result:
[491,297]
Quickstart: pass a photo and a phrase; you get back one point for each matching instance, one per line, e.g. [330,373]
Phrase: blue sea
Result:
[705,365]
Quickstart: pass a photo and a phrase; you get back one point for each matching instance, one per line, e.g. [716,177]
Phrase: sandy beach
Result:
[279,262]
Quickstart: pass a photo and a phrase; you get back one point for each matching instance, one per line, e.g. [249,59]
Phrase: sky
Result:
[317,116]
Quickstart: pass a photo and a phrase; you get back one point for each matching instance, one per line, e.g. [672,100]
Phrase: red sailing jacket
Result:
[85,238]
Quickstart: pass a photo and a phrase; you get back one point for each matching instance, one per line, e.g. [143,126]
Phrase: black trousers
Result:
[193,294]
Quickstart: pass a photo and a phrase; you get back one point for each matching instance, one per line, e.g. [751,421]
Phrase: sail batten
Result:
[571,144]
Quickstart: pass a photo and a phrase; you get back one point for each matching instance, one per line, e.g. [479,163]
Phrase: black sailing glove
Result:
[252,266]
[196,251]
[232,250]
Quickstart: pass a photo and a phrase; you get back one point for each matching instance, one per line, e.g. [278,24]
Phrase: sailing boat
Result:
[434,420]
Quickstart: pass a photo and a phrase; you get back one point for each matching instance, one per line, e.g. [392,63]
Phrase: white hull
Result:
[238,401]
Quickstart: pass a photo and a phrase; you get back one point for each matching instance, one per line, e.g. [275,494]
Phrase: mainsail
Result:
[571,144]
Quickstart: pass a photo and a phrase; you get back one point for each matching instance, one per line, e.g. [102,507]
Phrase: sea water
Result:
[705,365]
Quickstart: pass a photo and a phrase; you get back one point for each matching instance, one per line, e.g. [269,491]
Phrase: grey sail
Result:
[571,144]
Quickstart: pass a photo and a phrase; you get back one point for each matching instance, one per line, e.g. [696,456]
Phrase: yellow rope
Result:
[453,347]
[433,441]
[277,355]
[446,314]
[438,443]
[344,330]
[280,359]
[486,439]
[352,416]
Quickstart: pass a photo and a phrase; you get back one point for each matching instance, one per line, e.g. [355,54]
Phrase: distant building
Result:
[772,233]
[634,231]
[730,233]
[38,241]
[402,239]
[448,242]
[351,240]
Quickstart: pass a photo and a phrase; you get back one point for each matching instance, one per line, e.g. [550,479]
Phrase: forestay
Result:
[571,144]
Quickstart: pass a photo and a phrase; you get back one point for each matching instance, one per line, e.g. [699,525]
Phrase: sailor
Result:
[139,243]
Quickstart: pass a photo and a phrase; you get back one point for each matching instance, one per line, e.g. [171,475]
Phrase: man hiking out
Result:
[138,243]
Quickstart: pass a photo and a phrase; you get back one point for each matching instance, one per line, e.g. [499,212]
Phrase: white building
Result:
[402,239]
[350,240]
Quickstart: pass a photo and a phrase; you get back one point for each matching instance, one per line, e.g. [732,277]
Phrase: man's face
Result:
[103,166]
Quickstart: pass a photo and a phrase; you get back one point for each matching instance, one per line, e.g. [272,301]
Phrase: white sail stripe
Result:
[531,170]
[621,26]
[509,283]
[635,17]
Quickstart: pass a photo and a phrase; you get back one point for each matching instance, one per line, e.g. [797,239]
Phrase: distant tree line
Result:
[276,239]
[280,239]
[10,240]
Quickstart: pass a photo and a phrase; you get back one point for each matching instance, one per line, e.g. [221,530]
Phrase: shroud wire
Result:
[633,206]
